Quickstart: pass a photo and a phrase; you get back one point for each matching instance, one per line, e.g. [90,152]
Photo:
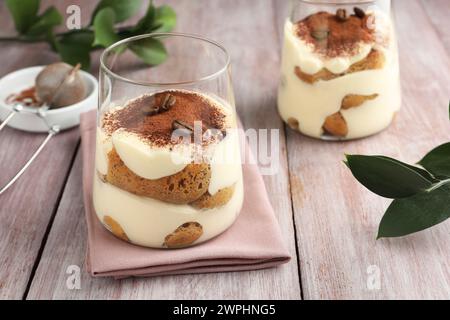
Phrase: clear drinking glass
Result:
[340,71]
[168,169]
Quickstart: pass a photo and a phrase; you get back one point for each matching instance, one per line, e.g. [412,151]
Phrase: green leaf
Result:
[123,9]
[104,28]
[420,171]
[75,47]
[388,177]
[145,24]
[45,23]
[410,215]
[24,13]
[150,50]
[165,19]
[437,161]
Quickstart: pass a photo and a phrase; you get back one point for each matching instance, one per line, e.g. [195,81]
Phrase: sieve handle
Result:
[53,131]
[16,108]
[7,119]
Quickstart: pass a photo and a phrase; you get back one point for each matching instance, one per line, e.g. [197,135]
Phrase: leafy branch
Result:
[75,46]
[421,194]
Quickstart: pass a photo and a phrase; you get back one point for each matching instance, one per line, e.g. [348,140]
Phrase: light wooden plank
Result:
[439,12]
[250,39]
[337,219]
[26,208]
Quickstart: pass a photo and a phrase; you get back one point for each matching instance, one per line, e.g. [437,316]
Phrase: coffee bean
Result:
[341,15]
[172,100]
[168,102]
[359,12]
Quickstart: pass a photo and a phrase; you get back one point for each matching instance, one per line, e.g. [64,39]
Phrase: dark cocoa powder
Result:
[342,35]
[185,107]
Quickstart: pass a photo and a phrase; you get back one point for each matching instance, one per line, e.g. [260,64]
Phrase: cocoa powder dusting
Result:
[26,97]
[342,35]
[186,107]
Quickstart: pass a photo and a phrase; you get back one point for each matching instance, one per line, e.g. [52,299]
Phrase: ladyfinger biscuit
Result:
[355,100]
[184,235]
[181,188]
[115,228]
[207,201]
[336,125]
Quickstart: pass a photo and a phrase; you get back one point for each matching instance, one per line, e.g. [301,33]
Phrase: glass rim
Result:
[208,77]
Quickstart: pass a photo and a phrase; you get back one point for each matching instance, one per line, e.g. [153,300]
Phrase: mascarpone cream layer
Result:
[148,221]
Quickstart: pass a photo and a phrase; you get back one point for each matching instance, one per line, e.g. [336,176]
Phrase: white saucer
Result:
[66,117]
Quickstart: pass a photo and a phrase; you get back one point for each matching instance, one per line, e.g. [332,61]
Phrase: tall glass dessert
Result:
[168,169]
[340,70]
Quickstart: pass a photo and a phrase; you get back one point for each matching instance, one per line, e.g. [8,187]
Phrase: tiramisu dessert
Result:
[340,74]
[168,169]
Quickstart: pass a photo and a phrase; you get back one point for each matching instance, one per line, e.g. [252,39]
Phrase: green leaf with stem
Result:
[419,170]
[419,212]
[75,47]
[104,28]
[123,9]
[145,24]
[388,177]
[422,195]
[165,19]
[45,23]
[24,13]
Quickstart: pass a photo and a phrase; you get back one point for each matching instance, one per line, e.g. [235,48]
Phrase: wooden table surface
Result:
[328,220]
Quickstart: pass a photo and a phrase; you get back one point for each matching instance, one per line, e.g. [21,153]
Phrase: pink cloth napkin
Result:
[252,242]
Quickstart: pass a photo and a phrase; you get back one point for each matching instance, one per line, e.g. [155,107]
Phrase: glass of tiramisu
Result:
[167,170]
[340,71]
